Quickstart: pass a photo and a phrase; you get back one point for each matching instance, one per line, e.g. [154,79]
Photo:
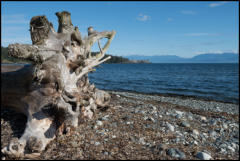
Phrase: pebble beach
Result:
[144,126]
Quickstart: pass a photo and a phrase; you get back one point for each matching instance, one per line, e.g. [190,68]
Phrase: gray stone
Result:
[97,143]
[167,113]
[195,142]
[190,117]
[231,148]
[143,112]
[178,116]
[203,118]
[205,135]
[179,133]
[128,123]
[179,112]
[176,153]
[223,145]
[185,124]
[213,122]
[203,156]
[141,141]
[224,125]
[170,127]
[222,150]
[106,140]
[154,108]
[235,146]
[195,132]
[105,118]
[177,140]
[99,123]
[212,133]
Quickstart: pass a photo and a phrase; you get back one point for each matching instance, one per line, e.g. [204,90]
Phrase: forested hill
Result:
[114,59]
[120,59]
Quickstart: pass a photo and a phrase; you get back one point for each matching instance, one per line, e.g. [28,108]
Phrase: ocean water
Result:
[210,81]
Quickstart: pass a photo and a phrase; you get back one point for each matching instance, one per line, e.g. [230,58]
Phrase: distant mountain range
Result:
[202,58]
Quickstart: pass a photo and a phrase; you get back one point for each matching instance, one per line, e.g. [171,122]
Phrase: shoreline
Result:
[189,102]
[141,126]
[181,96]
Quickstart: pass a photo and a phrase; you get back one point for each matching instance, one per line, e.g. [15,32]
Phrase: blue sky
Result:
[143,28]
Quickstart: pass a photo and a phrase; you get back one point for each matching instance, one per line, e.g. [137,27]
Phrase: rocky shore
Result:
[143,126]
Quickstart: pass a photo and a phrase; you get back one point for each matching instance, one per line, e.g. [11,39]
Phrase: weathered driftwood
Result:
[53,92]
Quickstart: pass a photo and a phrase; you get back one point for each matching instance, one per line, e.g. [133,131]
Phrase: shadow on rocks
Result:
[17,121]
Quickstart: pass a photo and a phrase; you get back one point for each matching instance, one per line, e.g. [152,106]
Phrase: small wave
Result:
[182,79]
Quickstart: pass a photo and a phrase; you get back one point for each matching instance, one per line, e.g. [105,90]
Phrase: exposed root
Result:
[55,91]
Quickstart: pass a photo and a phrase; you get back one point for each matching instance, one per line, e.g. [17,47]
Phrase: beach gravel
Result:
[143,126]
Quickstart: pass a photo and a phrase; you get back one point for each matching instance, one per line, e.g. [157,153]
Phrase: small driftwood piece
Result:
[54,92]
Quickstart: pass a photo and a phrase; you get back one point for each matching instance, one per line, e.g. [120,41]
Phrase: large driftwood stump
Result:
[54,92]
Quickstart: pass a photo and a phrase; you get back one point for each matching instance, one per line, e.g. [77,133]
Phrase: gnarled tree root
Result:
[53,92]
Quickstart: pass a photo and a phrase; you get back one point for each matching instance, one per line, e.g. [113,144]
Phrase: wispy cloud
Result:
[142,17]
[169,19]
[188,12]
[217,4]
[202,34]
[216,52]
[14,19]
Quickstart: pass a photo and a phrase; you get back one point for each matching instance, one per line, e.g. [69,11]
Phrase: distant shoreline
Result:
[184,97]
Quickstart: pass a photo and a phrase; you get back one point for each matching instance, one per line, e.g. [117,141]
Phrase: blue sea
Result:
[218,82]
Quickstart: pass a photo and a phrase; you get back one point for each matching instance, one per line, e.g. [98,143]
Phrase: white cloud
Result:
[169,19]
[142,17]
[202,34]
[207,52]
[216,52]
[14,19]
[217,4]
[188,12]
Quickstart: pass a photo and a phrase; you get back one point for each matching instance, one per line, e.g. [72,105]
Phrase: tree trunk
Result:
[53,92]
